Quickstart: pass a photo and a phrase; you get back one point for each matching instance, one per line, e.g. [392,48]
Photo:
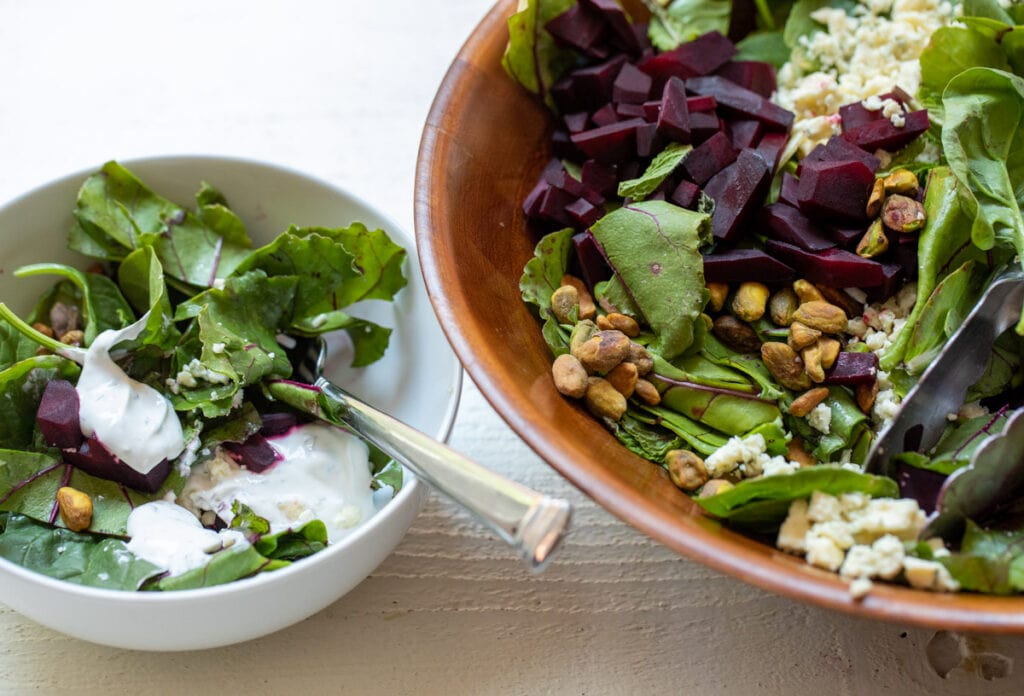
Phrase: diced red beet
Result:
[894,278]
[740,265]
[648,142]
[658,195]
[605,116]
[703,124]
[702,56]
[709,158]
[771,146]
[578,29]
[93,458]
[652,110]
[834,268]
[737,190]
[57,415]
[612,143]
[255,454]
[686,195]
[855,114]
[587,89]
[576,122]
[531,204]
[674,114]
[631,85]
[592,264]
[788,190]
[745,134]
[835,192]
[741,101]
[277,423]
[599,177]
[629,170]
[837,149]
[584,212]
[627,110]
[845,236]
[754,75]
[852,368]
[704,103]
[622,32]
[563,147]
[883,135]
[788,224]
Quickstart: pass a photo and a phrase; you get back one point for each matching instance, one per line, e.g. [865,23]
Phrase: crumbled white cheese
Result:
[748,455]
[856,57]
[882,559]
[820,418]
[928,575]
[191,373]
[859,587]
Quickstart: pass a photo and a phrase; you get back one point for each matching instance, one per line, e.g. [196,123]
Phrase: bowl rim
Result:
[784,574]
[412,489]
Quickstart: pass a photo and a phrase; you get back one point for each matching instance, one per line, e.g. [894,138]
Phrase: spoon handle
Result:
[532,523]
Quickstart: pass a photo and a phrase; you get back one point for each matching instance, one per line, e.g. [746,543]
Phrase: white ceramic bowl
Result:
[418,381]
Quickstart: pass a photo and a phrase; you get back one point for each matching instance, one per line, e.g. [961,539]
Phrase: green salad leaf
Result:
[990,561]
[542,275]
[532,57]
[679,21]
[660,168]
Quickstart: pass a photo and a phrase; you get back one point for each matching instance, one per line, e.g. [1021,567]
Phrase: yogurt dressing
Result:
[323,474]
[132,420]
[171,537]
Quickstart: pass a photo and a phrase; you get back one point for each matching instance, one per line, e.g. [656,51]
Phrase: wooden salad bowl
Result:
[483,146]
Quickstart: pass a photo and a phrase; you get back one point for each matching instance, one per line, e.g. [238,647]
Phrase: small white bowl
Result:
[418,381]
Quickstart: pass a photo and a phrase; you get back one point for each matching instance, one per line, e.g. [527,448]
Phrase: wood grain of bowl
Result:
[483,145]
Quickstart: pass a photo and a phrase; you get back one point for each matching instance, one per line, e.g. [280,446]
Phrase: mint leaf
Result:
[663,164]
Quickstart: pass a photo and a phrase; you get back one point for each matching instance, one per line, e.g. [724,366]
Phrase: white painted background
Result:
[340,89]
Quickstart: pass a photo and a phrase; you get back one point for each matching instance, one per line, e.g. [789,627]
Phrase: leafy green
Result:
[729,411]
[983,140]
[542,275]
[669,291]
[765,46]
[637,432]
[293,544]
[83,559]
[957,444]
[532,57]
[233,563]
[990,561]
[684,20]
[951,51]
[697,436]
[141,277]
[116,214]
[942,313]
[660,168]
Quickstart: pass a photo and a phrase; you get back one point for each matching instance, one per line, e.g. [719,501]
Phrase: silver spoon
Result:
[532,523]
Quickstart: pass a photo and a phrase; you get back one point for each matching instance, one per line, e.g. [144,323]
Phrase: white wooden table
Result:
[340,89]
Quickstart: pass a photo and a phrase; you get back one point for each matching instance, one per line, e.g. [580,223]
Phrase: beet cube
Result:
[835,192]
[584,213]
[652,110]
[255,454]
[686,195]
[835,268]
[838,149]
[626,110]
[752,74]
[737,190]
[788,190]
[883,135]
[845,236]
[705,103]
[95,459]
[740,265]
[702,56]
[771,146]
[745,134]
[648,142]
[894,277]
[578,29]
[552,206]
[709,158]
[277,423]
[57,415]
[531,204]
[599,177]
[576,122]
[622,32]
[563,147]
[856,114]
[741,101]
[604,116]
[789,225]
[592,264]
[586,89]
[612,143]
[852,368]
[703,124]
[632,85]
[674,114]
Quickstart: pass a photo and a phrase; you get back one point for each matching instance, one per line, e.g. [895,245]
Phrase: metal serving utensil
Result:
[530,522]
[943,385]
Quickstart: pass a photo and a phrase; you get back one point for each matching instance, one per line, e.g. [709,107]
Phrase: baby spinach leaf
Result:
[697,436]
[233,563]
[640,435]
[951,51]
[542,275]
[796,486]
[957,444]
[660,168]
[532,57]
[679,21]
[764,46]
[385,473]
[990,561]
[942,313]
[141,277]
[247,521]
[212,208]
[14,346]
[100,299]
[293,544]
[116,213]
[83,559]
[729,411]
[654,249]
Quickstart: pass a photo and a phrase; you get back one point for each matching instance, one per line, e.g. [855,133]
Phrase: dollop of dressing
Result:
[171,537]
[323,474]
[132,420]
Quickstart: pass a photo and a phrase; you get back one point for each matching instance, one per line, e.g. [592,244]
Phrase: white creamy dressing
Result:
[132,420]
[323,474]
[171,537]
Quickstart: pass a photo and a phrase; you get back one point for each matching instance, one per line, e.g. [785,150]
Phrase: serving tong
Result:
[943,386]
[532,523]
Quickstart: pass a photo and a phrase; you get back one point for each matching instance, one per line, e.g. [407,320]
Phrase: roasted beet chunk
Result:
[883,135]
[255,454]
[674,114]
[576,28]
[851,368]
[612,143]
[737,191]
[751,74]
[631,86]
[835,268]
[788,224]
[835,192]
[57,415]
[93,458]
[741,101]
[710,157]
[702,56]
[740,265]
